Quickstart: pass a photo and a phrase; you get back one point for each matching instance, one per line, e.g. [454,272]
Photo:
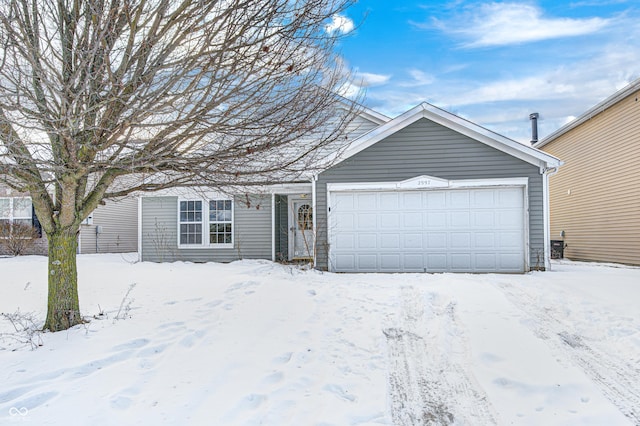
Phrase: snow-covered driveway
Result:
[258,343]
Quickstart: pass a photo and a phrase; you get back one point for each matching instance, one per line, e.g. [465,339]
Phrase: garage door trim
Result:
[429,183]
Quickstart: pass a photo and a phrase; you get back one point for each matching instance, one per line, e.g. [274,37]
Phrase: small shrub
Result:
[16,239]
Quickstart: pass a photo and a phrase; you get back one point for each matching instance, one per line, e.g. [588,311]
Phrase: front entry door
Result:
[301,232]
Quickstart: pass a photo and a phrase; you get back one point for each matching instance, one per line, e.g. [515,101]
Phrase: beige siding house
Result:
[595,196]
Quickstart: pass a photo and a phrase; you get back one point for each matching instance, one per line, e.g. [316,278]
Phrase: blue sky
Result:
[493,62]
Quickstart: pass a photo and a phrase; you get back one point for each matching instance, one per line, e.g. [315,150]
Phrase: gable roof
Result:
[457,124]
[592,112]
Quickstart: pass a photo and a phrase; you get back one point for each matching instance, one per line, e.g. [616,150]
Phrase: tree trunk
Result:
[63,308]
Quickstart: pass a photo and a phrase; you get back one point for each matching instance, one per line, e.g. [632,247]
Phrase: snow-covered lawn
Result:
[254,342]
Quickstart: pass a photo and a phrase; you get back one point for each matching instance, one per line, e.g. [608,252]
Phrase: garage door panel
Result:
[366,202]
[345,241]
[412,220]
[460,219]
[486,262]
[345,262]
[411,200]
[436,220]
[414,262]
[460,240]
[437,241]
[367,221]
[483,219]
[368,263]
[413,241]
[458,199]
[436,200]
[390,262]
[345,220]
[470,230]
[511,262]
[367,241]
[461,261]
[343,201]
[510,197]
[437,262]
[389,201]
[485,240]
[510,240]
[483,199]
[390,241]
[509,220]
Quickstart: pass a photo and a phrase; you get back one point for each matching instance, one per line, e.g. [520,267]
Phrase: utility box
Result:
[557,249]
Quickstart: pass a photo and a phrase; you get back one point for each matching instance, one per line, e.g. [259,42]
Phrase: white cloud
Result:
[360,81]
[419,78]
[339,23]
[366,79]
[498,24]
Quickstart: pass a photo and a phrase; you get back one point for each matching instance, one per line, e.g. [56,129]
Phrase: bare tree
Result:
[101,98]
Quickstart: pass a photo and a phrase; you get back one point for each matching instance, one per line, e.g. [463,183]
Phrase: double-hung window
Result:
[15,211]
[220,222]
[191,222]
[206,223]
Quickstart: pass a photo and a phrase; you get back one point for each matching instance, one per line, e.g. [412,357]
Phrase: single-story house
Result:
[427,191]
[595,197]
[111,228]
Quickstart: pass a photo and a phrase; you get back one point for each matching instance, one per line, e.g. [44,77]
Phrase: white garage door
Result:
[461,230]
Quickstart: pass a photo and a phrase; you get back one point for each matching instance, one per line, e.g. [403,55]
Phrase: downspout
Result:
[314,179]
[273,226]
[140,229]
[546,173]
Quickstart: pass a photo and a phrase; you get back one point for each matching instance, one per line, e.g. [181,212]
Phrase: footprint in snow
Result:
[283,359]
[133,344]
[273,378]
[340,392]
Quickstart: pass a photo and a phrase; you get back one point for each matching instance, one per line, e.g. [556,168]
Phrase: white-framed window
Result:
[15,211]
[220,222]
[205,223]
[190,222]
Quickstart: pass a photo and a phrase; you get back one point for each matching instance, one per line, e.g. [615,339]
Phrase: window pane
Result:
[5,208]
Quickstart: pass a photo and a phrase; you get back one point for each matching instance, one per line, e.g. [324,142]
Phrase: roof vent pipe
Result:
[534,127]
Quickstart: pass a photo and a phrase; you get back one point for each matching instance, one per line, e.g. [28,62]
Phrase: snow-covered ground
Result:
[254,342]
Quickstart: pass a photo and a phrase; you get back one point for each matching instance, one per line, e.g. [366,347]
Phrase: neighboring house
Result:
[595,197]
[111,228]
[16,209]
[425,192]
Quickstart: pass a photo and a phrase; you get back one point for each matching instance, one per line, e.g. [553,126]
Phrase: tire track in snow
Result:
[426,383]
[618,379]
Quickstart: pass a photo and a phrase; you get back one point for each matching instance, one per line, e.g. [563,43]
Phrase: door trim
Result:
[291,223]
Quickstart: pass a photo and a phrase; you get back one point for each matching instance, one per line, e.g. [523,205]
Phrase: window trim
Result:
[11,218]
[206,222]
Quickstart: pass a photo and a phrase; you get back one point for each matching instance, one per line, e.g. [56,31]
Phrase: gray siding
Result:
[427,148]
[119,222]
[358,126]
[252,232]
